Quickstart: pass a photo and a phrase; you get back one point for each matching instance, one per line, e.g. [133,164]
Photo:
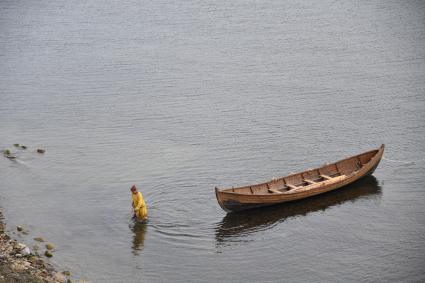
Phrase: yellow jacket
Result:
[139,206]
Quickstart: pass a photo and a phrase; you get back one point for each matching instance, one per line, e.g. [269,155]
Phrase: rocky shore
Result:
[19,264]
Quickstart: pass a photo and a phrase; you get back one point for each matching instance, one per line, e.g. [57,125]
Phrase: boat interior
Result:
[309,179]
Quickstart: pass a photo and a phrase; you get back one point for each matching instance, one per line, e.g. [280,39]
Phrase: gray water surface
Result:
[178,97]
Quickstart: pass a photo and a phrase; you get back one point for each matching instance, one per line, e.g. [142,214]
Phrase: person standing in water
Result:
[139,205]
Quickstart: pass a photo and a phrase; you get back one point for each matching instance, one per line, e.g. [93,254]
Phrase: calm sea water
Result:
[178,97]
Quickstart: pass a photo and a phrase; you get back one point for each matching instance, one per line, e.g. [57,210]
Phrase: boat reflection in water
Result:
[249,221]
[139,232]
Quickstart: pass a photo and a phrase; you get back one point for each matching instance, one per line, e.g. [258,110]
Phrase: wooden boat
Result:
[250,221]
[301,185]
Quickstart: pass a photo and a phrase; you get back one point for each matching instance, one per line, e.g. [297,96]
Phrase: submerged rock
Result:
[50,246]
[66,272]
[16,144]
[7,153]
[48,254]
[39,239]
[41,150]
[19,228]
[23,147]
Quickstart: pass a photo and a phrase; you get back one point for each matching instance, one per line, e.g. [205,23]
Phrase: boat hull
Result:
[237,199]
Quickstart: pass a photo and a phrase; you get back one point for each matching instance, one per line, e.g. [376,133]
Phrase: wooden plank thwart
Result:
[326,177]
[310,181]
[291,186]
[275,191]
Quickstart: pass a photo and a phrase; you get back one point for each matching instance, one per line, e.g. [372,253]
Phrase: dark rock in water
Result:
[50,246]
[16,144]
[8,154]
[19,228]
[48,254]
[23,147]
[41,150]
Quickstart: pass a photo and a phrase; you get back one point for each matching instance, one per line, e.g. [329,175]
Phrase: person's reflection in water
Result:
[240,224]
[139,229]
